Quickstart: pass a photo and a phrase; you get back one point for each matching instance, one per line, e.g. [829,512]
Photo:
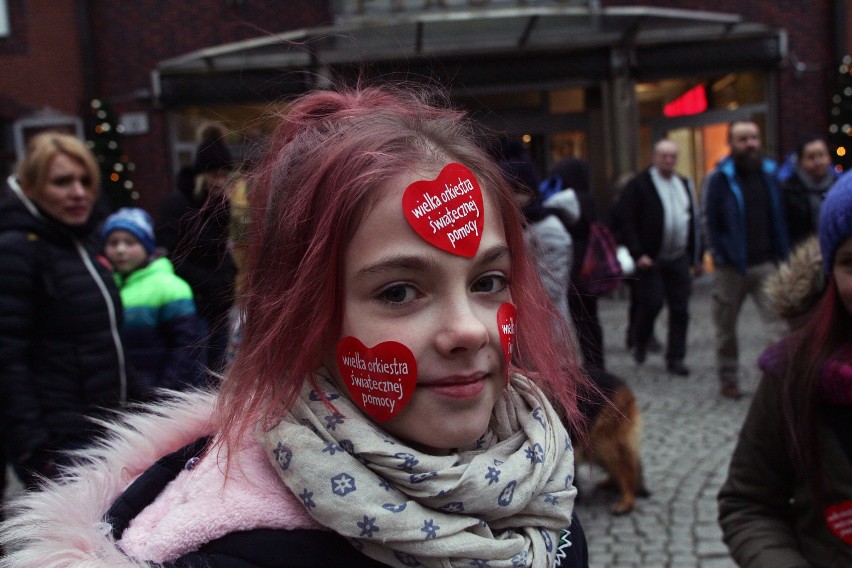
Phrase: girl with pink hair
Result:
[400,396]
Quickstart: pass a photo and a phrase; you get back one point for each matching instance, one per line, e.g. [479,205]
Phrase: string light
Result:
[105,144]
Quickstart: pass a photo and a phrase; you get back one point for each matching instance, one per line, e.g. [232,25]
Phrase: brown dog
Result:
[615,429]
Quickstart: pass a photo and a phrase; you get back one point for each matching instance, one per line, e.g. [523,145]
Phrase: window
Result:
[4,19]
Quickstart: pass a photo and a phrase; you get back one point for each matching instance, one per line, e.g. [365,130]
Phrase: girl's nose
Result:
[462,330]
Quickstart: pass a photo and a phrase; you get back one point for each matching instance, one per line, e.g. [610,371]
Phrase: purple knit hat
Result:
[835,220]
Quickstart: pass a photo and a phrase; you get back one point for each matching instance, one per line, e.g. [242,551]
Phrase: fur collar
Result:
[798,283]
[62,524]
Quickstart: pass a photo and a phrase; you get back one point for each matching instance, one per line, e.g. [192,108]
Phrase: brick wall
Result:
[131,37]
[40,61]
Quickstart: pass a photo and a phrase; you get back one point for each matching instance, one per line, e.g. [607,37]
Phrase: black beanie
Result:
[212,153]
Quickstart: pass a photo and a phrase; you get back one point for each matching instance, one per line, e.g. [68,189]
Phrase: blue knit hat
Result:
[835,220]
[136,222]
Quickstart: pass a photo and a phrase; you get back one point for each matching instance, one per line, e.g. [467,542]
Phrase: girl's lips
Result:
[459,387]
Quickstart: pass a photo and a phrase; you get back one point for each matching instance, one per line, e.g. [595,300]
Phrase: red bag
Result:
[600,272]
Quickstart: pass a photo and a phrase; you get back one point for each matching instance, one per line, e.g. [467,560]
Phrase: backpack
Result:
[601,271]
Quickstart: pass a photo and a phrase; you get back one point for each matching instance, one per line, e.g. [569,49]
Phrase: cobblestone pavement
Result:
[689,432]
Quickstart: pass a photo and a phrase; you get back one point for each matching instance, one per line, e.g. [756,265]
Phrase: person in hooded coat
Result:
[787,499]
[194,227]
[62,359]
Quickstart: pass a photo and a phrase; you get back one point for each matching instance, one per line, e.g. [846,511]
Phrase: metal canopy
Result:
[459,35]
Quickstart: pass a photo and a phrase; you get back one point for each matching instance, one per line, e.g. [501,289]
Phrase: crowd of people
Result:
[407,389]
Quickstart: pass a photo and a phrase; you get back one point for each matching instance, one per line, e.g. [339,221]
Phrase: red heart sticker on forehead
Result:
[838,517]
[379,379]
[447,211]
[506,324]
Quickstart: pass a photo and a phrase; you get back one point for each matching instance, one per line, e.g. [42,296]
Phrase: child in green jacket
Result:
[161,328]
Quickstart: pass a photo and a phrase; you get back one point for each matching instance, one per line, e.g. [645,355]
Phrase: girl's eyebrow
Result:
[493,254]
[396,262]
[421,264]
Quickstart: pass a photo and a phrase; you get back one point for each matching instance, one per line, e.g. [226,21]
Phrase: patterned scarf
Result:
[505,502]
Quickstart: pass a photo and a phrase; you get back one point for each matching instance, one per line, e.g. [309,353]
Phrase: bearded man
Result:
[744,223]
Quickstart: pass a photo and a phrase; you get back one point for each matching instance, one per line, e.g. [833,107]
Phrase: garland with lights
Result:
[104,141]
[840,129]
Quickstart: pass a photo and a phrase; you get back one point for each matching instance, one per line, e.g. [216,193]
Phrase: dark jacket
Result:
[799,206]
[77,522]
[574,174]
[767,510]
[196,237]
[61,356]
[161,329]
[261,548]
[725,219]
[638,218]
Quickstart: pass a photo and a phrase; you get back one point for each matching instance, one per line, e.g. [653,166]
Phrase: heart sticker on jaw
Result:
[506,318]
[447,211]
[838,517]
[380,379]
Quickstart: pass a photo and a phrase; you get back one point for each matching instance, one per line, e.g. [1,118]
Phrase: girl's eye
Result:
[490,284]
[844,262]
[398,294]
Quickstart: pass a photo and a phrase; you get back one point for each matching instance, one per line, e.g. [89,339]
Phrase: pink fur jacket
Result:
[63,524]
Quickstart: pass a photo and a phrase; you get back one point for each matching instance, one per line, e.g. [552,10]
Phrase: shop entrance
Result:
[702,137]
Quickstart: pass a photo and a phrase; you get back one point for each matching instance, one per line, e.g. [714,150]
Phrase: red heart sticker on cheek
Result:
[839,519]
[447,211]
[379,379]
[506,318]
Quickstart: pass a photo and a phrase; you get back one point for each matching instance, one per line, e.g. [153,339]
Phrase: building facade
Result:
[597,79]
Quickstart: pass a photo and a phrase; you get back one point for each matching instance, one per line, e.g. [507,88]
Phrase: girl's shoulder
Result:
[67,519]
[279,548]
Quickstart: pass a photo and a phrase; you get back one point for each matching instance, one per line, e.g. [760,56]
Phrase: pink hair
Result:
[827,329]
[323,164]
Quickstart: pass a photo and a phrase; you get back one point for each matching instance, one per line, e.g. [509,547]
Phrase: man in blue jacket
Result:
[744,223]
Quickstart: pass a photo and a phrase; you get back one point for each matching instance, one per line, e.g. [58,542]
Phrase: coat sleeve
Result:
[180,327]
[697,239]
[554,251]
[710,209]
[754,501]
[625,213]
[24,433]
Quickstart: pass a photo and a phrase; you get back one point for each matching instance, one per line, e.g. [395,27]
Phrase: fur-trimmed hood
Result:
[63,524]
[798,283]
